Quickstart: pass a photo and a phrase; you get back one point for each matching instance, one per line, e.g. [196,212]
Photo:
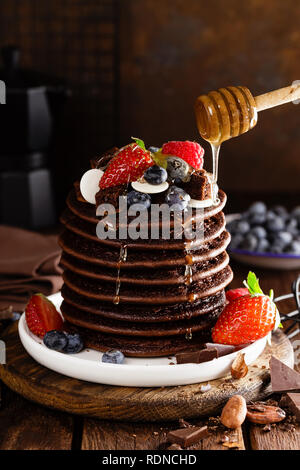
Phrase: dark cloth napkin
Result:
[29,263]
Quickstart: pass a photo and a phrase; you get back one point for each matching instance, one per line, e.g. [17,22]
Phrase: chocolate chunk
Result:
[283,378]
[207,354]
[198,187]
[184,424]
[187,357]
[293,402]
[222,349]
[197,357]
[186,437]
[103,160]
[174,447]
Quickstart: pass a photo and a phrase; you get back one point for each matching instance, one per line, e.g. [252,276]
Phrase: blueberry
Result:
[270,215]
[283,238]
[156,175]
[292,226]
[242,227]
[258,232]
[257,219]
[280,210]
[236,240]
[113,356]
[294,248]
[177,169]
[262,246]
[153,149]
[249,243]
[177,198]
[231,226]
[135,197]
[74,343]
[56,340]
[277,248]
[296,212]
[275,224]
[258,208]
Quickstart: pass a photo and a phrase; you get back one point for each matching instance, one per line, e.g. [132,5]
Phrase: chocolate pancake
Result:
[176,275]
[105,325]
[136,346]
[212,228]
[87,211]
[142,313]
[151,297]
[105,291]
[97,254]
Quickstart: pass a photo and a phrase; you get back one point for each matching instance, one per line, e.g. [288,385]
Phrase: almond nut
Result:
[239,367]
[265,414]
[234,412]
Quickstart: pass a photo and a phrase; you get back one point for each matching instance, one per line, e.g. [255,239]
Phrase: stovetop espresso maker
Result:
[28,122]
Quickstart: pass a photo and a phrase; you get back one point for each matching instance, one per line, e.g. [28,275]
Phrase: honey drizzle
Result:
[189,334]
[122,259]
[188,275]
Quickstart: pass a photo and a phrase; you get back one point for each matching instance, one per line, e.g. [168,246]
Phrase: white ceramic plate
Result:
[263,260]
[134,372]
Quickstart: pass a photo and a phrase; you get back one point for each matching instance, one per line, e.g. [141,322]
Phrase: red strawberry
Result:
[42,316]
[235,293]
[127,165]
[247,318]
[191,152]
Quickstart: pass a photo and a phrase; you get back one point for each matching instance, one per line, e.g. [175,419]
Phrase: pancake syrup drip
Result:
[188,275]
[189,334]
[122,259]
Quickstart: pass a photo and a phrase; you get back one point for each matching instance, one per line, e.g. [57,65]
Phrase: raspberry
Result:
[191,152]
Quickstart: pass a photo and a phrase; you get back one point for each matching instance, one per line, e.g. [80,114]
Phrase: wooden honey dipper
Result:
[231,111]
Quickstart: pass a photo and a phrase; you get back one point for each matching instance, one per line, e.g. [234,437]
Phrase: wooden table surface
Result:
[25,425]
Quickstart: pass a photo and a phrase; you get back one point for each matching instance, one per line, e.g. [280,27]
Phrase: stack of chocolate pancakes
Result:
[146,298]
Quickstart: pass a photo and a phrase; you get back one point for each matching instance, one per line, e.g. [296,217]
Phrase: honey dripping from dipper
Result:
[221,115]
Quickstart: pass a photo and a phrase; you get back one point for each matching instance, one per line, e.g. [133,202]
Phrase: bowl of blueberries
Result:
[266,237]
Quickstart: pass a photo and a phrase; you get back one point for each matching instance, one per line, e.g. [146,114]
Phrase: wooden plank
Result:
[276,439]
[35,382]
[25,426]
[104,435]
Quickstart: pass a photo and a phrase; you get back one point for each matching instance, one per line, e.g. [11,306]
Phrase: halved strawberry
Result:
[127,165]
[247,318]
[191,152]
[235,293]
[42,316]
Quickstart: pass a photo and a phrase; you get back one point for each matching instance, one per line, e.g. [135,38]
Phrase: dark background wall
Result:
[136,66]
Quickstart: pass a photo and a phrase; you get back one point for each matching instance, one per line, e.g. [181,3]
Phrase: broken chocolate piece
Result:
[283,378]
[293,403]
[186,437]
[223,349]
[197,357]
[174,447]
[102,161]
[187,357]
[184,424]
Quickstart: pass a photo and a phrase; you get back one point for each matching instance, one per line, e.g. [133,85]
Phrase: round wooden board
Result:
[39,384]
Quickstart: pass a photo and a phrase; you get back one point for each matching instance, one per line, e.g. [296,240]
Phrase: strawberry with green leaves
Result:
[248,317]
[42,316]
[127,165]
